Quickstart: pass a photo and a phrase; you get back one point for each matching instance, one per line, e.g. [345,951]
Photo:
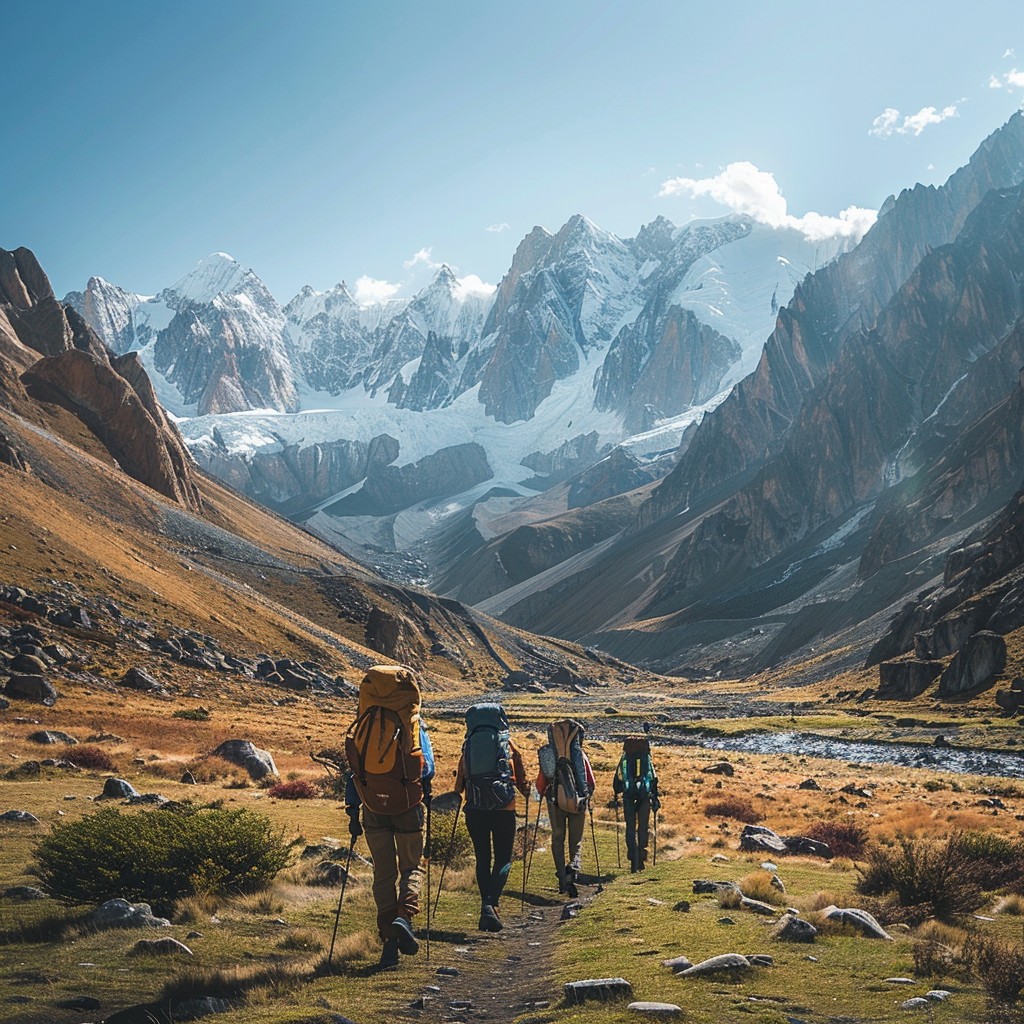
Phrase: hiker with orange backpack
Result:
[489,773]
[637,783]
[392,765]
[566,780]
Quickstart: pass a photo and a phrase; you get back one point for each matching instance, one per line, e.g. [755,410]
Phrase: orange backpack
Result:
[383,744]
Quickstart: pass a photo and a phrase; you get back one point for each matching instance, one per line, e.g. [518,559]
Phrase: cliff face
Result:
[52,355]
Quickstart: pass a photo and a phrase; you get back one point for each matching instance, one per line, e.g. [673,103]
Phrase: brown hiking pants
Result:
[561,823]
[396,846]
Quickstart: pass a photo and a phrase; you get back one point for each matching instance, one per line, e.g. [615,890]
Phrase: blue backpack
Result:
[487,759]
[637,770]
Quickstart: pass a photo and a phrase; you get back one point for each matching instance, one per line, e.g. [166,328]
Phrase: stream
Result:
[909,755]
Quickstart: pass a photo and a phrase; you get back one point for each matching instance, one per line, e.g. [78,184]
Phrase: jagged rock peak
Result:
[216,274]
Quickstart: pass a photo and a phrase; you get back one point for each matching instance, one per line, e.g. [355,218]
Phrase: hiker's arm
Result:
[591,784]
[352,804]
[519,772]
[460,776]
[541,783]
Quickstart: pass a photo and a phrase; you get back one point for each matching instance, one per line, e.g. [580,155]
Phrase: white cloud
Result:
[994,83]
[497,229]
[744,188]
[472,286]
[369,291]
[1015,79]
[1009,54]
[888,121]
[424,257]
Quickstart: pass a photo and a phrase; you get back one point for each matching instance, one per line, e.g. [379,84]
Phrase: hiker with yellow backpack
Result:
[637,783]
[392,764]
[566,780]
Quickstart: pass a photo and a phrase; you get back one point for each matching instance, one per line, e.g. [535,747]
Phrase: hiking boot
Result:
[561,883]
[389,955]
[570,884]
[407,942]
[489,920]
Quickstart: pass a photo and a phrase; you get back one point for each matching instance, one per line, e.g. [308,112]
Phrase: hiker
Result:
[637,783]
[392,764]
[490,771]
[566,780]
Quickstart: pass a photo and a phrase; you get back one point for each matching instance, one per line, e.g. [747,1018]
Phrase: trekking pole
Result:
[429,851]
[341,898]
[526,843]
[655,838]
[533,845]
[448,855]
[593,836]
[618,837]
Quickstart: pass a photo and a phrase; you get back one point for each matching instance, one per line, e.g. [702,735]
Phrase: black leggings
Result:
[486,827]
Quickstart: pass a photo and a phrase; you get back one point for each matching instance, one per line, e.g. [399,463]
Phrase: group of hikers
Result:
[389,792]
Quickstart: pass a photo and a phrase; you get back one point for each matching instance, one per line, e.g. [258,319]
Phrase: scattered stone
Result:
[778,883]
[757,906]
[194,935]
[23,893]
[803,846]
[859,919]
[118,789]
[767,865]
[188,779]
[160,947]
[937,995]
[51,737]
[330,873]
[853,790]
[761,960]
[900,981]
[726,963]
[19,818]
[601,990]
[682,907]
[808,784]
[720,858]
[140,679]
[726,920]
[722,768]
[705,887]
[659,1010]
[570,911]
[31,688]
[153,799]
[794,929]
[678,963]
[258,763]
[758,839]
[193,1009]
[447,972]
[917,1003]
[120,913]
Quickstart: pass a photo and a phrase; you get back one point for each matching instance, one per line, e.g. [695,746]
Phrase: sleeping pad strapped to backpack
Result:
[383,744]
[487,759]
[636,770]
[570,775]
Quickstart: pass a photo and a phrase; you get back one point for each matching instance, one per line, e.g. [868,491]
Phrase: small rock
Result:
[757,906]
[678,963]
[722,768]
[900,981]
[720,858]
[570,911]
[120,913]
[258,763]
[80,1003]
[917,1003]
[118,789]
[600,990]
[19,817]
[193,1009]
[659,1010]
[937,995]
[447,972]
[51,737]
[194,935]
[682,907]
[809,784]
[188,779]
[726,963]
[23,893]
[761,960]
[726,920]
[794,929]
[859,919]
[152,947]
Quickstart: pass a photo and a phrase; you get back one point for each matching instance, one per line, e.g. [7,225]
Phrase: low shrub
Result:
[930,875]
[94,759]
[995,860]
[758,886]
[299,789]
[199,714]
[160,856]
[449,840]
[998,965]
[734,807]
[844,839]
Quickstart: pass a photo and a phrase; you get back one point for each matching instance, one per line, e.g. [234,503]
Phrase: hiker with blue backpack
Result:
[566,780]
[489,773]
[636,782]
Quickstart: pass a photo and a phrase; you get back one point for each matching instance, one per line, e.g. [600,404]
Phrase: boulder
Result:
[329,873]
[905,680]
[32,688]
[729,964]
[794,929]
[118,789]
[19,818]
[678,964]
[188,779]
[809,784]
[160,947]
[801,845]
[28,664]
[917,1003]
[51,737]
[976,665]
[722,768]
[660,1011]
[757,907]
[23,893]
[601,990]
[258,763]
[758,839]
[859,919]
[118,913]
[140,679]
[706,887]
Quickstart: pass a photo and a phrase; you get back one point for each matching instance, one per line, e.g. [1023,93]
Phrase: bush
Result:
[844,839]
[300,789]
[453,848]
[998,965]
[160,856]
[199,714]
[733,807]
[91,758]
[922,873]
[995,861]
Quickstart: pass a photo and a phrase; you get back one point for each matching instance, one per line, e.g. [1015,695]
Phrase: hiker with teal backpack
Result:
[637,783]
[489,773]
[566,780]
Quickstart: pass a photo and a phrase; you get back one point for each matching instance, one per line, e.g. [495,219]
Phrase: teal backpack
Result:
[487,759]
[637,770]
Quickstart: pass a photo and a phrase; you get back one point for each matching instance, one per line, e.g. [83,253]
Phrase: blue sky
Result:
[320,141]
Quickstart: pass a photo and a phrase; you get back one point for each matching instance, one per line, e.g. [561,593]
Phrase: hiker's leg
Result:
[503,829]
[643,828]
[557,817]
[577,823]
[629,813]
[409,841]
[380,840]
[478,825]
